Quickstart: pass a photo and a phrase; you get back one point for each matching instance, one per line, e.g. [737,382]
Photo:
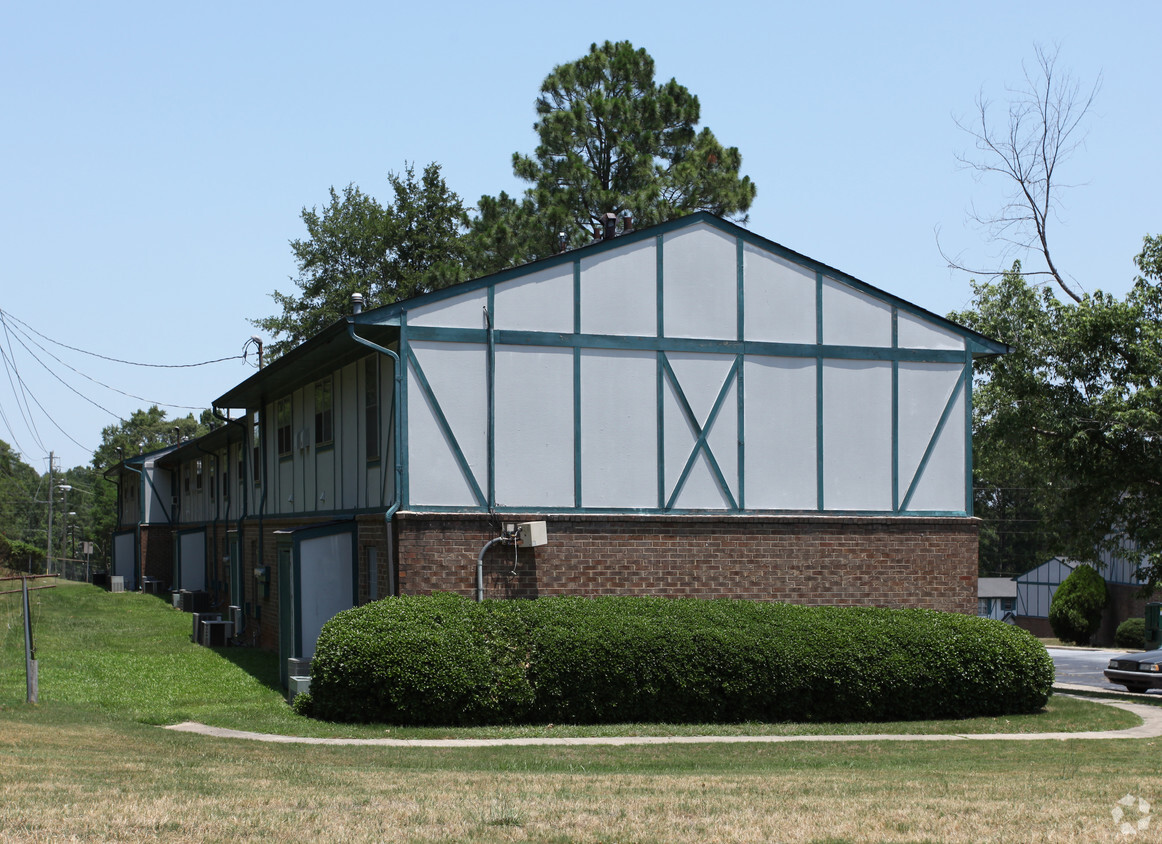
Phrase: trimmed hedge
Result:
[1131,633]
[445,660]
[1076,609]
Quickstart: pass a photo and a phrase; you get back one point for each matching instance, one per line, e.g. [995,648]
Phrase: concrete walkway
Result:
[1151,727]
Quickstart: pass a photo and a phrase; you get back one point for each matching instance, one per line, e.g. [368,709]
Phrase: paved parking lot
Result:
[1084,666]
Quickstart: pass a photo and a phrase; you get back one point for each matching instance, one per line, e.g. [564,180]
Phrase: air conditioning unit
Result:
[216,633]
[152,586]
[117,584]
[197,600]
[297,685]
[298,666]
[199,617]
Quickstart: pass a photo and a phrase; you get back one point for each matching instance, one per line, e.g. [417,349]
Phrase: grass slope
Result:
[130,655]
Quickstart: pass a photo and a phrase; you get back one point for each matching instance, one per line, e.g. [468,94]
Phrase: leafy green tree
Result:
[21,516]
[611,140]
[144,431]
[1076,609]
[356,245]
[1074,412]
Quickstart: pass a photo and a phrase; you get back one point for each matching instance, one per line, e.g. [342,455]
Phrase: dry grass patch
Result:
[69,775]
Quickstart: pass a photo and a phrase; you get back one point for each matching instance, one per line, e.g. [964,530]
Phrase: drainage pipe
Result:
[480,565]
[396,422]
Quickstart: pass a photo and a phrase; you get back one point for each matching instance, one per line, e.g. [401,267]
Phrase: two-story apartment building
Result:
[692,409]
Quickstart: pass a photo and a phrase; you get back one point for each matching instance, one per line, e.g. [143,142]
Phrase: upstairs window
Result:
[371,405]
[198,474]
[282,414]
[323,434]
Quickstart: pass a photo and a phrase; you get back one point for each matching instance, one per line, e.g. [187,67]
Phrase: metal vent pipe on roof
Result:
[356,303]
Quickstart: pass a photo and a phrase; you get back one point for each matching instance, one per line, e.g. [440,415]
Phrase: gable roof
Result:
[333,347]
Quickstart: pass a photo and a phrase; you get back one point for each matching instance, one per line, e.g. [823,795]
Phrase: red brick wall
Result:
[157,552]
[836,560]
[263,603]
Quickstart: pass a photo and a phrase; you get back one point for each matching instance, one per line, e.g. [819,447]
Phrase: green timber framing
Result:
[388,327]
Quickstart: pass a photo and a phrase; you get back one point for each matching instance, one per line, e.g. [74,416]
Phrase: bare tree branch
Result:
[1043,130]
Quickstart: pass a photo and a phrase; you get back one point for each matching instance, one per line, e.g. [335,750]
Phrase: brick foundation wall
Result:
[262,602]
[835,560]
[157,552]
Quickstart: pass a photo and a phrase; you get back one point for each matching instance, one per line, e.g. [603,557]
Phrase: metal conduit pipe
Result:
[138,563]
[243,509]
[480,565]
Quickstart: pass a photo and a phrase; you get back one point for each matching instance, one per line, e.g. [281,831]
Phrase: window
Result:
[213,479]
[1008,604]
[983,605]
[198,474]
[186,479]
[323,411]
[282,416]
[371,405]
[256,447]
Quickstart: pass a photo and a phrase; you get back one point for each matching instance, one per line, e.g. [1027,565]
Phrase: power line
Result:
[9,368]
[4,313]
[89,378]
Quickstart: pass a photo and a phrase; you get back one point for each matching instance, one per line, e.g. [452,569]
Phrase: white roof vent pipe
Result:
[356,303]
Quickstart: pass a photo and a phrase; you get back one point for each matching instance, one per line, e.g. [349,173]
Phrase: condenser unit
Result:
[298,666]
[195,600]
[199,617]
[117,584]
[216,633]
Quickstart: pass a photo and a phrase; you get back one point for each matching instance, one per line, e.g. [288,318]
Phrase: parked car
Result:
[1137,672]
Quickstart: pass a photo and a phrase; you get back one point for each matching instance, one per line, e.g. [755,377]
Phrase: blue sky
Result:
[156,156]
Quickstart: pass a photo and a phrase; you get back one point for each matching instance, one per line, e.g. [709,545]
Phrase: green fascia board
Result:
[509,337]
[330,349]
[550,511]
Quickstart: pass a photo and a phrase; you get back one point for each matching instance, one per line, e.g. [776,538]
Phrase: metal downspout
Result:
[217,507]
[397,417]
[242,512]
[138,563]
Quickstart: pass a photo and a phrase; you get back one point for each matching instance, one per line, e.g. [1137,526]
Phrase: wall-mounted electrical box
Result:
[531,534]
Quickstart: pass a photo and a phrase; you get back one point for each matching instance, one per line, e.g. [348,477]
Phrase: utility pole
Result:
[65,523]
[48,549]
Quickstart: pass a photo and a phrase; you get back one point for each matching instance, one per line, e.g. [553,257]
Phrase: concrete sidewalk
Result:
[1151,727]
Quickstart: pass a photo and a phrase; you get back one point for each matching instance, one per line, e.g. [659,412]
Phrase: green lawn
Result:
[87,763]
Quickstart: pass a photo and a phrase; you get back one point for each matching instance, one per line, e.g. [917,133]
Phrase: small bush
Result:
[1075,612]
[1131,633]
[444,660]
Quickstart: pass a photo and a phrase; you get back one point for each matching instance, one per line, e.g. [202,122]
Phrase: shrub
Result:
[1076,608]
[444,660]
[1131,633]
